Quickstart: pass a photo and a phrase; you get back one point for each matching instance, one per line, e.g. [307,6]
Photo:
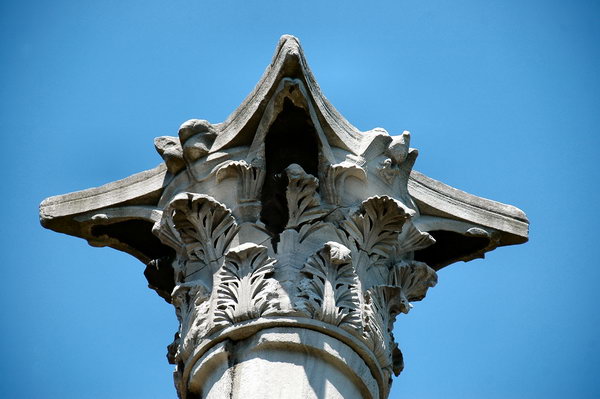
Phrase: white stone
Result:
[287,240]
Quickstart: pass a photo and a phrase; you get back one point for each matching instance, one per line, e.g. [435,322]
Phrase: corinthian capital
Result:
[288,242]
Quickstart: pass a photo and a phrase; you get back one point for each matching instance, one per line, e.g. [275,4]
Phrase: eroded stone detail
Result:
[259,249]
[375,227]
[243,292]
[380,311]
[191,307]
[413,279]
[335,178]
[330,290]
[343,259]
[231,271]
[359,280]
[250,179]
[200,229]
[196,136]
[411,239]
[303,202]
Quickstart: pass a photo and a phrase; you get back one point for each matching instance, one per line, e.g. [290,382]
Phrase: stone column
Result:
[312,305]
[287,241]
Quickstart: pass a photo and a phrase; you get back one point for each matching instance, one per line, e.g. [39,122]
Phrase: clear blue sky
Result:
[502,99]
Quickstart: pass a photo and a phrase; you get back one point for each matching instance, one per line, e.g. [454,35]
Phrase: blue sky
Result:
[502,99]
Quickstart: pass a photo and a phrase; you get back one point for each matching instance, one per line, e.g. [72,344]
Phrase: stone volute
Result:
[287,241]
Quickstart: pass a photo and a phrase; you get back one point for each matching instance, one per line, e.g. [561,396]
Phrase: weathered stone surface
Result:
[287,241]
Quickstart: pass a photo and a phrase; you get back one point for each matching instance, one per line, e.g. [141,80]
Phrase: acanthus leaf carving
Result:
[250,177]
[335,178]
[413,279]
[303,202]
[244,291]
[226,286]
[250,182]
[381,306]
[375,227]
[370,268]
[408,281]
[411,239]
[200,229]
[309,229]
[191,302]
[206,226]
[330,292]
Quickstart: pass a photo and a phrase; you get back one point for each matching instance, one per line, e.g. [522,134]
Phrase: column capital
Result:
[287,240]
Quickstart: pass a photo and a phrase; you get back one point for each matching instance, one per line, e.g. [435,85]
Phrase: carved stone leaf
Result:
[380,311]
[412,239]
[165,230]
[331,289]
[250,178]
[375,227]
[169,148]
[302,199]
[204,225]
[186,297]
[243,292]
[190,300]
[414,279]
[387,172]
[335,177]
[308,229]
[366,266]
